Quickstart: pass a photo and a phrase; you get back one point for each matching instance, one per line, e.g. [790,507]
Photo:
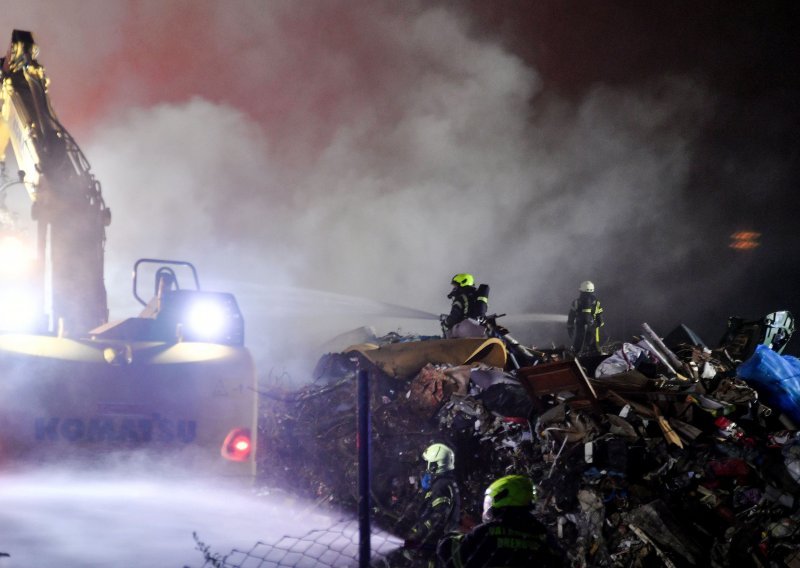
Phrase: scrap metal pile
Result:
[661,452]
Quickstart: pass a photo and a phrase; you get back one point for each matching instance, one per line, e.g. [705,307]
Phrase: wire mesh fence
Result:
[336,546]
[312,441]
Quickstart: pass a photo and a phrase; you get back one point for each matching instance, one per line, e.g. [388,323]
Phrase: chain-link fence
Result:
[336,547]
[310,443]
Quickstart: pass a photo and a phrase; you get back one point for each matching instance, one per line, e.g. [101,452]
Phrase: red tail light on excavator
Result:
[237,445]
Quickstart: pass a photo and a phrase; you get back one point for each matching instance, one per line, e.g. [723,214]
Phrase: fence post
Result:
[364,443]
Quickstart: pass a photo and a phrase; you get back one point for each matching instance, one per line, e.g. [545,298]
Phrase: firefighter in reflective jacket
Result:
[585,320]
[469,305]
[441,506]
[509,537]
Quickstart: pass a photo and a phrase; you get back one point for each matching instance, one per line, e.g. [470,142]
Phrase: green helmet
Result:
[508,491]
[439,457]
[462,280]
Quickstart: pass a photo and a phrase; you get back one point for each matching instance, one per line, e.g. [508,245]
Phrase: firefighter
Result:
[509,536]
[440,511]
[469,305]
[585,320]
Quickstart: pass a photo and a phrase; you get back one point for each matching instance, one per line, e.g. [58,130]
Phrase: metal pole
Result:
[364,437]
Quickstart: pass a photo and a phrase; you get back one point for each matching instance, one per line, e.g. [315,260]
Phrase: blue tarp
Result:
[776,377]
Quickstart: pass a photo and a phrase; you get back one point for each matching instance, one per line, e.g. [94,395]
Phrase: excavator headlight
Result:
[15,258]
[207,319]
[19,310]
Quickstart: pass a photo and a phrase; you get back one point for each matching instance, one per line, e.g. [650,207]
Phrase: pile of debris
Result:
[661,452]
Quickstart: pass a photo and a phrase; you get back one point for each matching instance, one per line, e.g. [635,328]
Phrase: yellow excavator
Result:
[174,386]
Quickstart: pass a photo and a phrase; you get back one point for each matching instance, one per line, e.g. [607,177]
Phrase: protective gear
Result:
[586,286]
[439,458]
[463,279]
[508,491]
[516,538]
[584,322]
[441,505]
[469,304]
[510,534]
[482,302]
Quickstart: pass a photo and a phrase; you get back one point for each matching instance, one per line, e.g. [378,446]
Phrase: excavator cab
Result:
[177,314]
[190,314]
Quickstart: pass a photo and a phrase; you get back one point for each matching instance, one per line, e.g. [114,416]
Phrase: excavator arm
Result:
[67,203]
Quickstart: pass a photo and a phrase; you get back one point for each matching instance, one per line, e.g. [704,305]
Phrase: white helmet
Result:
[439,457]
[586,286]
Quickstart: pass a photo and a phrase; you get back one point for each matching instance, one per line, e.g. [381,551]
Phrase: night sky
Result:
[315,157]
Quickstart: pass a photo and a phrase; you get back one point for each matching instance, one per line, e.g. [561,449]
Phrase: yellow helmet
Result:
[462,280]
[586,286]
[508,491]
[439,457]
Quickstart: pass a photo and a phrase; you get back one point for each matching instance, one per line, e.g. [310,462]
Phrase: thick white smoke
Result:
[360,149]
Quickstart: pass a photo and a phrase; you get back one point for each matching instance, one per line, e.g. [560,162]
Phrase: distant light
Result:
[744,240]
[207,319]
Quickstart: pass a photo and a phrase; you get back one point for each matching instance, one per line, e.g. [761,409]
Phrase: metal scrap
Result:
[675,461]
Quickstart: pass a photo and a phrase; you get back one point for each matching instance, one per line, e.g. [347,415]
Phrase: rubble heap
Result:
[662,452]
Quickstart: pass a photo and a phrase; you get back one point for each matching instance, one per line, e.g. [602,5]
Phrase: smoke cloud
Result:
[364,149]
[372,151]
